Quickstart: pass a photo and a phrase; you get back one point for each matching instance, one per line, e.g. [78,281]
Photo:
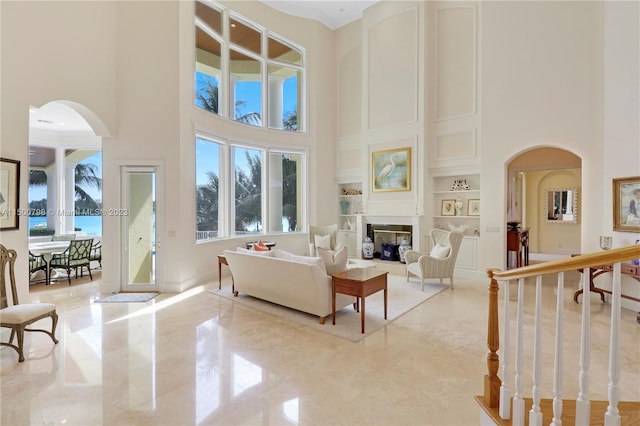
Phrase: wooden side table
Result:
[360,283]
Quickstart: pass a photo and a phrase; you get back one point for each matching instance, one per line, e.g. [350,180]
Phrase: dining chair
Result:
[37,263]
[74,257]
[96,253]
[18,316]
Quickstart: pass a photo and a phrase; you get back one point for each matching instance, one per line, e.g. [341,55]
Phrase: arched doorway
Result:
[533,177]
[65,171]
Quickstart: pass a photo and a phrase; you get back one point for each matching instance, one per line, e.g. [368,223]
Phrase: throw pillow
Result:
[439,251]
[285,255]
[334,262]
[322,241]
[255,252]
[260,246]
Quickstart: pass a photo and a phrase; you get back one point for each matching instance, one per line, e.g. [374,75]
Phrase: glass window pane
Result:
[247,165]
[88,182]
[246,89]
[208,72]
[207,189]
[210,16]
[245,36]
[285,192]
[283,52]
[283,97]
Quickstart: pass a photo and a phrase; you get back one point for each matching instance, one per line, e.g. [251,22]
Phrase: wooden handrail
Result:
[492,381]
[571,263]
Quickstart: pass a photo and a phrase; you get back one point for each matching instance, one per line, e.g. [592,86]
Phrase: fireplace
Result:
[388,234]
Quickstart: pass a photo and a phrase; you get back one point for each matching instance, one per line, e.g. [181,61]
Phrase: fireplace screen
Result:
[387,238]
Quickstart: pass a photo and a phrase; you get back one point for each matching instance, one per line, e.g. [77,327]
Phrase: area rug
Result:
[127,298]
[402,297]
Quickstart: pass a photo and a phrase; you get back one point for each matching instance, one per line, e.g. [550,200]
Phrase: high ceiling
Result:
[331,13]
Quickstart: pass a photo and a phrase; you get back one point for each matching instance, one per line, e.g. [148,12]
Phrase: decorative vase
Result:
[404,247]
[367,248]
[458,205]
[344,205]
[606,242]
[636,261]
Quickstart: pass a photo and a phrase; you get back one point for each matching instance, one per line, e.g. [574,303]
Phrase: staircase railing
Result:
[498,393]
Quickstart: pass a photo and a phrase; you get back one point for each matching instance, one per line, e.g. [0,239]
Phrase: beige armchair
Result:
[18,316]
[440,263]
[323,231]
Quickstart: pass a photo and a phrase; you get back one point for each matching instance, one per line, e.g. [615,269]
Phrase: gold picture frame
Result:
[448,208]
[626,204]
[473,207]
[391,170]
[9,194]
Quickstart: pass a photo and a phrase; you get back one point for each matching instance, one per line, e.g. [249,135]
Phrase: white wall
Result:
[542,70]
[51,51]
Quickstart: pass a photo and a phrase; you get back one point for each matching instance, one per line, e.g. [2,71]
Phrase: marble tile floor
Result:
[196,358]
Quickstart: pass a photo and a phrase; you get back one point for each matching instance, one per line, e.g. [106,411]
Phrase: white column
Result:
[275,95]
[52,203]
[232,96]
[69,196]
[60,192]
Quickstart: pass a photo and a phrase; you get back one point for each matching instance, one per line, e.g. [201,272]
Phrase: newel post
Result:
[491,380]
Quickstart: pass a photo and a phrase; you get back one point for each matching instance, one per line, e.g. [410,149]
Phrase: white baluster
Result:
[535,415]
[583,405]
[505,391]
[518,399]
[558,372]
[612,416]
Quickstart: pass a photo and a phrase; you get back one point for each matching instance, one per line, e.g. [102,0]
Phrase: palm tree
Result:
[208,94]
[85,177]
[207,204]
[289,192]
[248,188]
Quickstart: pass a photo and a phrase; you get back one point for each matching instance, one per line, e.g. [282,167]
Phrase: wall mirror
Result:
[561,205]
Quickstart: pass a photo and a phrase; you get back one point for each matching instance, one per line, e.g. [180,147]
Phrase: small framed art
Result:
[9,194]
[448,208]
[473,207]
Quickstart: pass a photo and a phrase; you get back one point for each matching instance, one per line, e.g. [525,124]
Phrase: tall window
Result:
[247,167]
[208,27]
[207,189]
[285,185]
[273,100]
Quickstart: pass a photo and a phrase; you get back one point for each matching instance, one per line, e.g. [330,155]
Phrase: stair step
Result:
[629,412]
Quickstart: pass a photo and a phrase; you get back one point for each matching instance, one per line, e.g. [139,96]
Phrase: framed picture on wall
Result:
[626,204]
[9,193]
[473,207]
[391,170]
[448,208]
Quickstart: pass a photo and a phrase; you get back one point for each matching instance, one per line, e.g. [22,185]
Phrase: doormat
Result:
[127,298]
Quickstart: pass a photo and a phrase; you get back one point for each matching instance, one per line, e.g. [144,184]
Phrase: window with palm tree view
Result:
[85,214]
[250,203]
[237,88]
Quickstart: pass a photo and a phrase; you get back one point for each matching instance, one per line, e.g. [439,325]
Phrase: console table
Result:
[518,244]
[628,269]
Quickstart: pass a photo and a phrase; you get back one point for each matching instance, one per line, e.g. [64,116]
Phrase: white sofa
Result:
[297,282]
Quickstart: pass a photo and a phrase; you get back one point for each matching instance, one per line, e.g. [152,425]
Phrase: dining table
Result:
[47,249]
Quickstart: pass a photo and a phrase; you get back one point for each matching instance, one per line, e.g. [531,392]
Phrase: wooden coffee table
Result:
[360,283]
